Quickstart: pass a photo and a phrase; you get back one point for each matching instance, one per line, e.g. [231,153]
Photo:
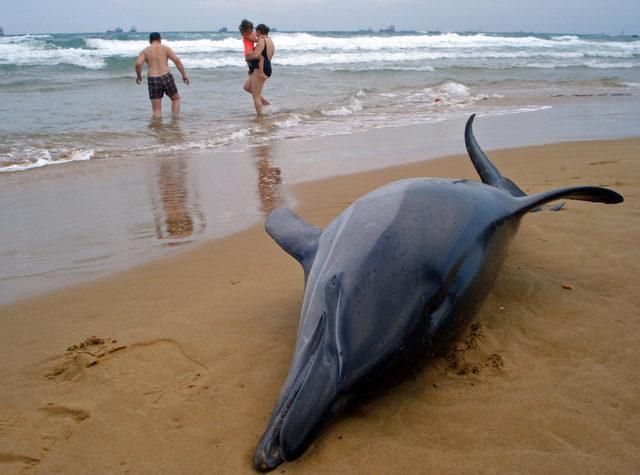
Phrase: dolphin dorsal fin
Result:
[487,170]
[584,193]
[297,237]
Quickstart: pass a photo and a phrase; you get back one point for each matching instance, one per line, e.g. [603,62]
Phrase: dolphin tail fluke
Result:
[584,193]
[487,170]
[297,237]
[491,176]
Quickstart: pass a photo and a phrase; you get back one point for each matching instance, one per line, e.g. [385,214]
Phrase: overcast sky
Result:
[568,16]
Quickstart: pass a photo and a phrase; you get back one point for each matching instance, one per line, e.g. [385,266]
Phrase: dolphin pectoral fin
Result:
[584,193]
[297,237]
[487,170]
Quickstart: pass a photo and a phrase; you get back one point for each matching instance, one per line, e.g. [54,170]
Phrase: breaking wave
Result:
[353,51]
[30,157]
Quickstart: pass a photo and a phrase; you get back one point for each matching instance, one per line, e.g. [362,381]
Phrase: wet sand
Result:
[65,224]
[189,352]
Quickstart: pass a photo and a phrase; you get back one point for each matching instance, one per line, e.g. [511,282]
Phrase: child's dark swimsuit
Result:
[255,63]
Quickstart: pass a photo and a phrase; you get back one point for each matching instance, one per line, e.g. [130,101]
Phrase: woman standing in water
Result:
[255,82]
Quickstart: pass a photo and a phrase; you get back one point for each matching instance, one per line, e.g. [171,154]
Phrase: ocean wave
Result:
[307,42]
[409,61]
[21,38]
[352,53]
[38,158]
[35,52]
[202,62]
[291,121]
[586,63]
[311,42]
[133,47]
[354,105]
[565,38]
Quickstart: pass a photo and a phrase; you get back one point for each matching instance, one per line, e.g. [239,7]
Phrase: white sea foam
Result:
[239,134]
[449,93]
[133,47]
[203,62]
[565,38]
[37,158]
[354,105]
[291,121]
[453,89]
[31,51]
[21,38]
[307,42]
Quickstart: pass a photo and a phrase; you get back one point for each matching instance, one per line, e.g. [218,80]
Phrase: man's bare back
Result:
[160,80]
[156,56]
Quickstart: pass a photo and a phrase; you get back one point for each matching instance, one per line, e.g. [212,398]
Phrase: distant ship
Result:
[223,30]
[389,29]
[368,30]
[116,31]
[1,31]
[133,29]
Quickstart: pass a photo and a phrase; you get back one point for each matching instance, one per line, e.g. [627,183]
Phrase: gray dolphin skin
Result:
[392,280]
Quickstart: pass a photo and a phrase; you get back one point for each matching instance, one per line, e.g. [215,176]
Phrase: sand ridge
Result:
[175,366]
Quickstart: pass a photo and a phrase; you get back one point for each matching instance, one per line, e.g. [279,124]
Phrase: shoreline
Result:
[289,198]
[192,348]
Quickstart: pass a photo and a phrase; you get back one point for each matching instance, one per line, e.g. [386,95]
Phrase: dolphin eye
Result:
[332,288]
[336,280]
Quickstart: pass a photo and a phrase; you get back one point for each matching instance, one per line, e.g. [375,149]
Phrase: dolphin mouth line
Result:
[267,463]
[274,437]
[276,430]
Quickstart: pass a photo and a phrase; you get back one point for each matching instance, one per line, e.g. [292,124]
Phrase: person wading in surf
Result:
[255,82]
[159,78]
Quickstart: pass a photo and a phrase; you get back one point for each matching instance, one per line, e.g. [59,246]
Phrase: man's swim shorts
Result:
[160,85]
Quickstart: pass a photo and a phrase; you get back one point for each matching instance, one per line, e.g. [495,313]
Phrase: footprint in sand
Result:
[29,434]
[16,463]
[82,356]
[159,371]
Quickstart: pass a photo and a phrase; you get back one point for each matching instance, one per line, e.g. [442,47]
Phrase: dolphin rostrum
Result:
[397,275]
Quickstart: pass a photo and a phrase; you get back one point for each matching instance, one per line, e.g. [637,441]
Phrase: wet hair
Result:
[262,28]
[155,36]
[245,26]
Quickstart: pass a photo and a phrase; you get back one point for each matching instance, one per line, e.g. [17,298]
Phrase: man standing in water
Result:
[160,80]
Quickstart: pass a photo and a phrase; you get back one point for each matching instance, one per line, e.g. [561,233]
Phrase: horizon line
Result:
[359,30]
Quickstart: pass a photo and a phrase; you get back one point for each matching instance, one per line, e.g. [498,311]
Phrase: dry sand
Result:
[191,351]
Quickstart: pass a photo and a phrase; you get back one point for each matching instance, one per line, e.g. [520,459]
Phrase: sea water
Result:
[73,97]
[90,184]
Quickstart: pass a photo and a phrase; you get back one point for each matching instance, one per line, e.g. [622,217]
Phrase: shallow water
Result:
[73,97]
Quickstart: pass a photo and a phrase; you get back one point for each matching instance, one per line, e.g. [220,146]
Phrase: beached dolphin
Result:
[397,275]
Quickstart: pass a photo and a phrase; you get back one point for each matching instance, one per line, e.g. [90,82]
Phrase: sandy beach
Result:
[175,365]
